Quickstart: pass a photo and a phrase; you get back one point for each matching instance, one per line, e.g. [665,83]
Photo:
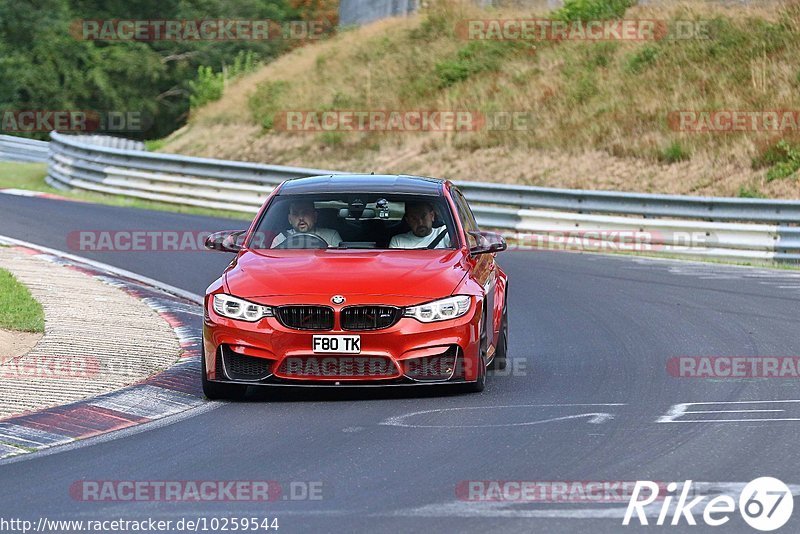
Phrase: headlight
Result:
[440,310]
[234,308]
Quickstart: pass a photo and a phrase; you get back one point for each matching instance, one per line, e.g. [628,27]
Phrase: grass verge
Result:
[18,309]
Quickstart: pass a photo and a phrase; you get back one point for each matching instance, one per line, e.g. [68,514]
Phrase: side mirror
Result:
[227,241]
[487,243]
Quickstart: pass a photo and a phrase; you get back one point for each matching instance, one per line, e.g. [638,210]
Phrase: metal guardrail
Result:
[727,227]
[642,204]
[22,149]
[113,142]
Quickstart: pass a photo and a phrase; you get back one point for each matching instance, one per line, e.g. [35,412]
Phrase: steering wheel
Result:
[303,240]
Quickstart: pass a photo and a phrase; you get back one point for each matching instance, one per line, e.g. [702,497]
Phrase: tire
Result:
[480,384]
[500,360]
[216,390]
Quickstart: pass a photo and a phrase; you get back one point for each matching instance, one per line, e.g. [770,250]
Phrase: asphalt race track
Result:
[590,337]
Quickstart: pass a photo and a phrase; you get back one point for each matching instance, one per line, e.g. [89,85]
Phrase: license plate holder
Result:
[326,344]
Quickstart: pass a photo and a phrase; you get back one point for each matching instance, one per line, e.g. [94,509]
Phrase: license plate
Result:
[338,344]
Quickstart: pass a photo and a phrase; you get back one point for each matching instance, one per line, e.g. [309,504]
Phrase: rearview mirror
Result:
[487,243]
[227,241]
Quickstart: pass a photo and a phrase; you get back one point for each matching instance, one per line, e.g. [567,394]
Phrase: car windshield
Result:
[355,220]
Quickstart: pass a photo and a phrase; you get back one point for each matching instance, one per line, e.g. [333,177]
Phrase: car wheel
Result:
[480,383]
[216,390]
[500,360]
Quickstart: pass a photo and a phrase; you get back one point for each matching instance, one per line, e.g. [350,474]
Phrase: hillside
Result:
[601,115]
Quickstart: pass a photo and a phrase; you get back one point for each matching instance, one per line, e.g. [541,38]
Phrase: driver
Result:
[420,216]
[303,218]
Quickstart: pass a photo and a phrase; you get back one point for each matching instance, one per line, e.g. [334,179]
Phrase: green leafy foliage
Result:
[474,58]
[782,158]
[585,10]
[264,103]
[209,85]
[642,59]
[749,192]
[47,64]
[674,153]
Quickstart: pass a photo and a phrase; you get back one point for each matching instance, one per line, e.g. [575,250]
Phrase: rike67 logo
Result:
[765,504]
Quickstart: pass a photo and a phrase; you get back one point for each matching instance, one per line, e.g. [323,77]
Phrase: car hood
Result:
[412,273]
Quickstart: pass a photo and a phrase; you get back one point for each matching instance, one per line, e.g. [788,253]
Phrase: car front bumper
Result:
[409,353]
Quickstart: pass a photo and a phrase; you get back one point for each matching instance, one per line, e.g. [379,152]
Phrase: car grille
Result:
[440,367]
[306,317]
[240,367]
[369,317]
[337,367]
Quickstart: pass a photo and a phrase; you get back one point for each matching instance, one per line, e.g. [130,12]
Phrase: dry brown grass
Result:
[599,115]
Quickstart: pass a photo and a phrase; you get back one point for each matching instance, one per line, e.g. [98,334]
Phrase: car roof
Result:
[363,183]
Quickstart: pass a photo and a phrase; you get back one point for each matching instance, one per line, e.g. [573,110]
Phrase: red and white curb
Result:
[37,194]
[168,393]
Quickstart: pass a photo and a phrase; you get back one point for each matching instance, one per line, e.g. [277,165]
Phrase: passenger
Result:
[420,216]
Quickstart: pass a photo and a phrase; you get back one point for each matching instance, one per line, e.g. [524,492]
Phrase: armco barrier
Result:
[21,149]
[744,229]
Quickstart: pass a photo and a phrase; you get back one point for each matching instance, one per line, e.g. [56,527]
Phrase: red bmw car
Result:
[356,280]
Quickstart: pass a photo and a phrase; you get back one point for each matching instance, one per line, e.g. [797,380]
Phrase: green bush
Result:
[209,85]
[332,138]
[783,170]
[436,25]
[585,10]
[601,54]
[244,62]
[749,192]
[264,103]
[769,156]
[450,72]
[642,59]
[475,57]
[673,153]
[206,88]
[584,89]
[783,158]
[154,145]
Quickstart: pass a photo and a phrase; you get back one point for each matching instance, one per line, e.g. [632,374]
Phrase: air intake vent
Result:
[240,367]
[306,317]
[369,317]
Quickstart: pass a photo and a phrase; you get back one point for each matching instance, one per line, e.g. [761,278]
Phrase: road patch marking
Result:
[678,413]
[593,417]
